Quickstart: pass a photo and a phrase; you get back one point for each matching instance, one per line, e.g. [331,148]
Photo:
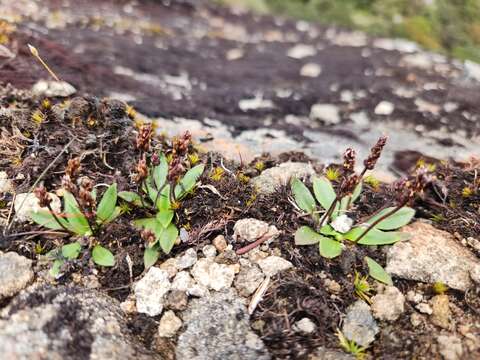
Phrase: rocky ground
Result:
[254,91]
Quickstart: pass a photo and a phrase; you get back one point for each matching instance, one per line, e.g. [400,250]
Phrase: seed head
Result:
[43,197]
[349,184]
[349,160]
[148,236]
[144,137]
[142,170]
[176,170]
[155,159]
[73,167]
[375,153]
[68,185]
[180,144]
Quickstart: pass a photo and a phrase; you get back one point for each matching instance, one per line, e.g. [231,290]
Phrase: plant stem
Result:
[372,225]
[329,212]
[56,218]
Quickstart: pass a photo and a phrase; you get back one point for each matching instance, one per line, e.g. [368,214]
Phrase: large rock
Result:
[15,273]
[217,328]
[67,323]
[430,256]
[271,179]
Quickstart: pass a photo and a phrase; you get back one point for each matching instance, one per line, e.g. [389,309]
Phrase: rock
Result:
[416,319]
[128,305]
[301,51]
[333,286]
[258,102]
[384,108]
[431,256]
[151,290]
[272,265]
[176,300]
[360,118]
[359,324]
[271,179]
[209,251]
[6,53]
[252,229]
[67,323]
[26,203]
[424,308]
[212,275]
[182,281]
[169,324]
[305,326]
[198,290]
[441,311]
[414,297]
[5,183]
[342,224]
[248,279]
[311,70]
[323,353]
[220,243]
[217,328]
[188,259]
[50,88]
[327,113]
[418,60]
[472,69]
[389,305]
[170,266]
[450,347]
[475,274]
[15,274]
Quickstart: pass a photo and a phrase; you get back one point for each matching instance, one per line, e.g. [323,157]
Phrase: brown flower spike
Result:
[375,153]
[73,167]
[142,170]
[44,199]
[349,160]
[144,137]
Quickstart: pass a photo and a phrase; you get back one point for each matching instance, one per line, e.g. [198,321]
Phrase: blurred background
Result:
[451,27]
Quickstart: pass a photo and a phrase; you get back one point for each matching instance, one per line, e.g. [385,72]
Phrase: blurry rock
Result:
[323,353]
[209,251]
[441,311]
[424,308]
[384,108]
[311,70]
[26,203]
[169,324]
[176,300]
[170,266]
[388,305]
[301,51]
[212,275]
[182,281]
[248,279]
[15,274]
[305,326]
[359,324]
[272,265]
[431,256]
[187,259]
[217,328]
[150,291]
[220,243]
[269,180]
[450,347]
[327,113]
[258,102]
[234,54]
[5,183]
[252,229]
[6,53]
[52,88]
[472,70]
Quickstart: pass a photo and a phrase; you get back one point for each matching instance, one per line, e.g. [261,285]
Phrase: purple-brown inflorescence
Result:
[142,170]
[43,197]
[148,236]
[180,144]
[85,198]
[73,168]
[349,157]
[176,170]
[144,137]
[375,153]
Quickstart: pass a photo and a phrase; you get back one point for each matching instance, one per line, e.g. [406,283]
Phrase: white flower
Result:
[342,224]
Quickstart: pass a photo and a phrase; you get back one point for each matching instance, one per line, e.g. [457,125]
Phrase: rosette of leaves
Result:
[159,195]
[329,240]
[73,220]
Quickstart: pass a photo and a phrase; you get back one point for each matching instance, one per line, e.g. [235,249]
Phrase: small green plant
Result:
[163,185]
[334,226]
[81,216]
[351,346]
[439,288]
[362,287]
[332,174]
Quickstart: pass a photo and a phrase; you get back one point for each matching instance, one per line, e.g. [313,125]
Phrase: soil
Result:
[103,136]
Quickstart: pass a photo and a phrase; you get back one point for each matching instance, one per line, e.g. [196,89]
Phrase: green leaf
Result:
[150,189]
[102,256]
[160,172]
[150,256]
[151,224]
[71,251]
[305,235]
[328,230]
[165,217]
[377,272]
[324,192]
[163,201]
[329,248]
[188,181]
[375,236]
[78,222]
[397,220]
[131,197]
[116,213]
[46,219]
[107,205]
[168,238]
[56,266]
[303,196]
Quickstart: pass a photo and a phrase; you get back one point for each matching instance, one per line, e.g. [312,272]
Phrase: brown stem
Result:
[56,218]
[329,212]
[252,245]
[372,225]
